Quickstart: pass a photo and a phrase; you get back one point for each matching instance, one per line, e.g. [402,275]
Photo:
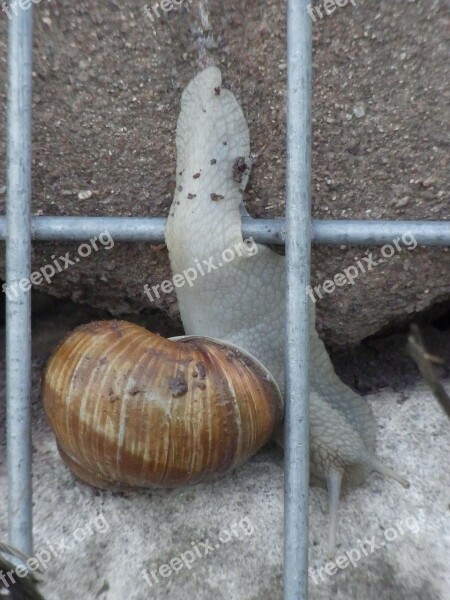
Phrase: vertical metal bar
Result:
[298,254]
[18,305]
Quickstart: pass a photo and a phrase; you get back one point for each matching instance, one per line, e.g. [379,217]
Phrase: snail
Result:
[131,408]
[128,407]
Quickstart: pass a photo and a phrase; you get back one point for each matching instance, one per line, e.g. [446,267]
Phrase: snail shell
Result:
[131,408]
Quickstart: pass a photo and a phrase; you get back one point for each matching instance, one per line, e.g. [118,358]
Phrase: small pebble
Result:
[429,181]
[359,110]
[401,201]
[84,194]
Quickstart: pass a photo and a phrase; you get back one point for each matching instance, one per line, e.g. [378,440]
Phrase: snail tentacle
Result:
[334,480]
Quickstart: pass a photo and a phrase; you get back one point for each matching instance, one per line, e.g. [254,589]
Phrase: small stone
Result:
[429,181]
[359,110]
[401,201]
[84,195]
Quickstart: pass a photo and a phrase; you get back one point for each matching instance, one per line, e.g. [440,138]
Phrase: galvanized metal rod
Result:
[264,231]
[18,262]
[368,233]
[133,229]
[298,258]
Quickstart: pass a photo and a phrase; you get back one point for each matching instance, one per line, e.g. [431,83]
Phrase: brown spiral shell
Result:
[131,408]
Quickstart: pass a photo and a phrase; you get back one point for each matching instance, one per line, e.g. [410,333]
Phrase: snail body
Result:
[243,301]
[131,408]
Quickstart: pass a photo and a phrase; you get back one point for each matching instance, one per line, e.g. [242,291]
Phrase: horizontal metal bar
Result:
[377,233]
[265,231]
[133,229]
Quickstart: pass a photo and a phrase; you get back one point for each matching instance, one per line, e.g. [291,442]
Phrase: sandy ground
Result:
[230,531]
[107,85]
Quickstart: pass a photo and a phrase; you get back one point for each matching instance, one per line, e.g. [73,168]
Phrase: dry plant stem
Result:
[424,362]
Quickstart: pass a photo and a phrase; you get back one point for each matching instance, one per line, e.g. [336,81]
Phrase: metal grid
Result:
[18,229]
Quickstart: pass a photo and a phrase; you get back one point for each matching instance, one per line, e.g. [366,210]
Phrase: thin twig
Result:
[424,360]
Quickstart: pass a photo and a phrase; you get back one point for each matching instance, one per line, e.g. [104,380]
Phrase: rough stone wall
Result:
[107,85]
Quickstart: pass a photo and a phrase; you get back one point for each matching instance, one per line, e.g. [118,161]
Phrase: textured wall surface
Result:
[107,85]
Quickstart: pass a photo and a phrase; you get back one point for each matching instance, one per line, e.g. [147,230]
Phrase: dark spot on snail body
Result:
[178,386]
[225,143]
[216,197]
[190,196]
[239,168]
[217,91]
[213,161]
[180,188]
[196,175]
